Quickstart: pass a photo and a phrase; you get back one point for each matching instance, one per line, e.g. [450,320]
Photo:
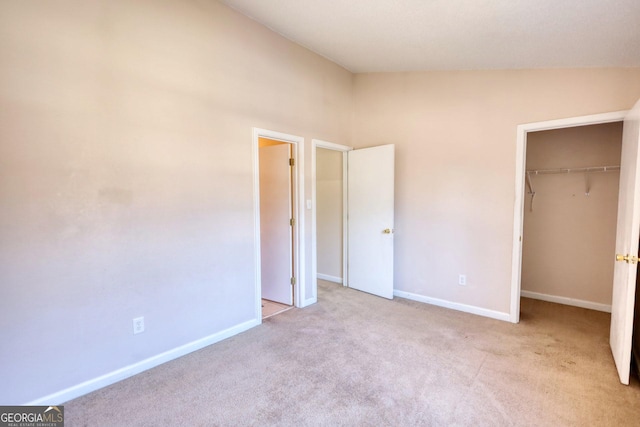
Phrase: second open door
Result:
[276,226]
[370,201]
[627,234]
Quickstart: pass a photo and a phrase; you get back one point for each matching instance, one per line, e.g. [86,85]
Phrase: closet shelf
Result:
[574,170]
[586,172]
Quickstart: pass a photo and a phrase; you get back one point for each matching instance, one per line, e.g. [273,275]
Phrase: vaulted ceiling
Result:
[408,35]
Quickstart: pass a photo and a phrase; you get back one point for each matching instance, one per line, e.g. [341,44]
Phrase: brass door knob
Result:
[630,259]
[388,231]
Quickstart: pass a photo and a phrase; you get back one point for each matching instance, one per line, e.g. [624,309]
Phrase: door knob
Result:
[630,259]
[388,231]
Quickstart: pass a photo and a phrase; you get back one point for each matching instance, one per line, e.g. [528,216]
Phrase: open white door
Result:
[370,223]
[627,234]
[275,227]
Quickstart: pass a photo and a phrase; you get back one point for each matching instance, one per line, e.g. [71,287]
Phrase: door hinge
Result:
[293,281]
[292,162]
[292,222]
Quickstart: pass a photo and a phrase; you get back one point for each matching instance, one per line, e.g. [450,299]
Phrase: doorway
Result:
[627,227]
[278,179]
[570,207]
[368,217]
[520,190]
[276,225]
[329,172]
[329,197]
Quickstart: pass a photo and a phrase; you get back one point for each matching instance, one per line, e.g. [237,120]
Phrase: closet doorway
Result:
[570,214]
[522,188]
[627,226]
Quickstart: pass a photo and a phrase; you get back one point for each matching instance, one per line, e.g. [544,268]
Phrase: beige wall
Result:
[126,179]
[329,212]
[569,237]
[455,136]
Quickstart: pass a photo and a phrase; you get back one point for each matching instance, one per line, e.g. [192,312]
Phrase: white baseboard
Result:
[454,305]
[78,390]
[329,278]
[567,301]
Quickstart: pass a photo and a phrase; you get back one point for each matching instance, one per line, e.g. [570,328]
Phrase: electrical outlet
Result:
[138,325]
[462,280]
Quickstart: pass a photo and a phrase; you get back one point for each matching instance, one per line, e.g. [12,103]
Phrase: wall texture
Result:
[455,136]
[329,212]
[126,176]
[569,237]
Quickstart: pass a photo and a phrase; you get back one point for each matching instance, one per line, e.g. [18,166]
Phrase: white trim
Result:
[518,208]
[498,315]
[330,145]
[315,144]
[297,143]
[257,259]
[330,278]
[309,301]
[301,290]
[345,218]
[113,377]
[567,301]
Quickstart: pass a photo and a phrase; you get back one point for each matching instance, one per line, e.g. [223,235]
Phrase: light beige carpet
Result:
[359,360]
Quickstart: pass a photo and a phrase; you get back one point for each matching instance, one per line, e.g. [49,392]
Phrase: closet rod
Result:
[573,170]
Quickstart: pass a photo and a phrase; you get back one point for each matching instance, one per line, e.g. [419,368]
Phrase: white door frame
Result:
[297,149]
[315,144]
[518,210]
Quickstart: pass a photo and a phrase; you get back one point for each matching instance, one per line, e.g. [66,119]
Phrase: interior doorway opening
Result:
[521,188]
[570,207]
[276,225]
[329,213]
[627,227]
[368,176]
[278,179]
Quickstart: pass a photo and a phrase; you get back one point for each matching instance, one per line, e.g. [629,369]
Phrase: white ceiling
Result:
[406,35]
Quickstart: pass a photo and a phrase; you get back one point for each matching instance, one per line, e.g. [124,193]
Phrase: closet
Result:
[571,204]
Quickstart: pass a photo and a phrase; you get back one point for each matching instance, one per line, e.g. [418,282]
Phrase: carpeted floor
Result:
[358,360]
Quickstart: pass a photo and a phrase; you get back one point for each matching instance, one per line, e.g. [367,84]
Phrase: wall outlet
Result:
[462,280]
[138,325]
